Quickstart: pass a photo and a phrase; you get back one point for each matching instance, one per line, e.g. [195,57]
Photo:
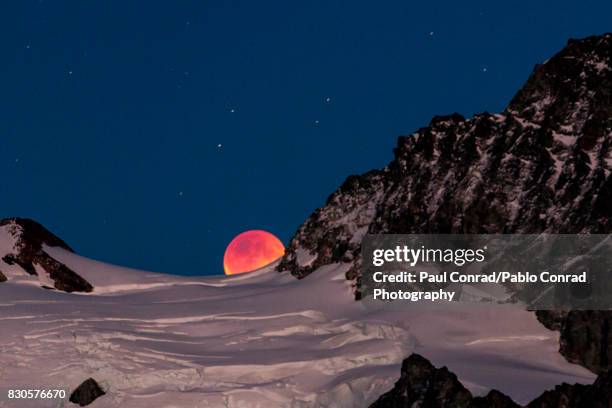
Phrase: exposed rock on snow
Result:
[21,247]
[424,386]
[542,165]
[597,395]
[586,336]
[494,399]
[86,393]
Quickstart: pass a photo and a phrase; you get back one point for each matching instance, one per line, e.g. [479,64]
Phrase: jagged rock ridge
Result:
[24,248]
[541,165]
[597,395]
[425,386]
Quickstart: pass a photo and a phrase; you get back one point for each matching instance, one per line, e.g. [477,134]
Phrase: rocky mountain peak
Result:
[541,165]
[22,243]
[423,385]
[575,80]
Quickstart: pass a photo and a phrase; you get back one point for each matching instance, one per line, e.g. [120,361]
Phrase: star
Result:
[431,33]
[316,123]
[180,193]
[219,146]
[328,99]
[232,110]
[484,69]
[70,72]
[28,46]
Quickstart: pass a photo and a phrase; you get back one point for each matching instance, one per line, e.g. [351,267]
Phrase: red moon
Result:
[251,250]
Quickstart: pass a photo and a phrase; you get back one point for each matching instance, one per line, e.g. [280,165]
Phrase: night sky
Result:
[149,134]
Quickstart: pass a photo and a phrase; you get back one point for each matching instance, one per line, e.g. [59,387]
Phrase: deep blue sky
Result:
[112,111]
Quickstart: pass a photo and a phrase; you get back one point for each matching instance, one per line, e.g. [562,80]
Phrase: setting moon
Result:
[251,250]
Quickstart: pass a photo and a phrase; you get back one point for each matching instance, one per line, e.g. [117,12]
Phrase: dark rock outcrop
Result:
[586,337]
[2,277]
[28,251]
[544,164]
[425,386]
[541,165]
[597,395]
[86,393]
[494,399]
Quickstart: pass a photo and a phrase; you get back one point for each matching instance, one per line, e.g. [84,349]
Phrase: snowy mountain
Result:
[265,339]
[261,339]
[542,165]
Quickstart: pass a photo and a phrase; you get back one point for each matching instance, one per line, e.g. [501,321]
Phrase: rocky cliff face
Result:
[541,165]
[21,247]
[586,336]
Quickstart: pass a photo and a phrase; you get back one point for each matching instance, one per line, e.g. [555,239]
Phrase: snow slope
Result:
[262,339]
